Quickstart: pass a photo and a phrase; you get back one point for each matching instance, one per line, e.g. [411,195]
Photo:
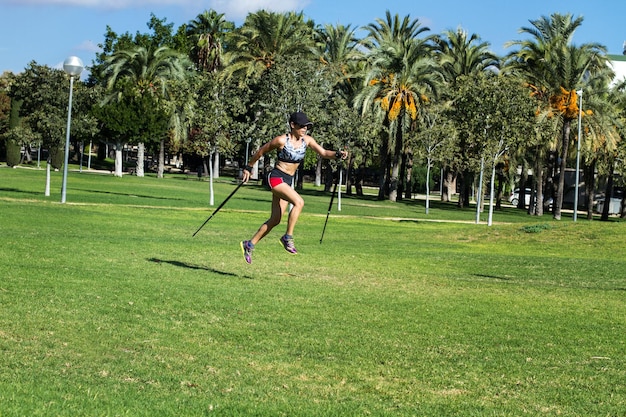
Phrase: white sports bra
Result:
[290,154]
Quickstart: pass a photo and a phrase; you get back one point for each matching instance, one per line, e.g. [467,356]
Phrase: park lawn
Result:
[110,307]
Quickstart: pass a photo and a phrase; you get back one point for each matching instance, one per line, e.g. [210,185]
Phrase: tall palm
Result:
[338,49]
[461,54]
[401,74]
[339,53]
[254,47]
[207,32]
[553,65]
[150,71]
[600,135]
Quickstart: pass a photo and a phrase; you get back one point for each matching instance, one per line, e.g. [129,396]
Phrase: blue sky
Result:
[48,31]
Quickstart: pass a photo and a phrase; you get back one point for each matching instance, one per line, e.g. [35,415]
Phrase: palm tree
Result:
[401,74]
[150,71]
[601,124]
[460,54]
[556,67]
[207,32]
[264,36]
[338,49]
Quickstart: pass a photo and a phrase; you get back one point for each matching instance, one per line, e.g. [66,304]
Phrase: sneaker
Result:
[287,242]
[247,247]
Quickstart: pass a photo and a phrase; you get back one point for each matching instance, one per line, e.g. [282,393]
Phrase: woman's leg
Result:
[278,208]
[287,194]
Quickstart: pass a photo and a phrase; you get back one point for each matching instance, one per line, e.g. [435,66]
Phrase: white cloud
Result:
[109,4]
[239,9]
[88,46]
[233,9]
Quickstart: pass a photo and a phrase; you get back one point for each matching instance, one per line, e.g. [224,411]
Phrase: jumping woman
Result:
[291,150]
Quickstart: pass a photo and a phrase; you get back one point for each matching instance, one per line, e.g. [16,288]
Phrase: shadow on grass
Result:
[128,195]
[492,277]
[16,190]
[196,267]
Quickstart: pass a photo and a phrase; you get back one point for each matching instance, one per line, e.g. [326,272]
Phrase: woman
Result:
[291,149]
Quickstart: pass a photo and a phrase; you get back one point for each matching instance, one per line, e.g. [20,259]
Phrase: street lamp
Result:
[579,93]
[72,66]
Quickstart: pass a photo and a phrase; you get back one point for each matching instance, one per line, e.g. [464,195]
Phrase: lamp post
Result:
[72,66]
[579,93]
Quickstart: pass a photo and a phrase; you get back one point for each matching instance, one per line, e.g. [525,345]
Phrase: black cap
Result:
[300,119]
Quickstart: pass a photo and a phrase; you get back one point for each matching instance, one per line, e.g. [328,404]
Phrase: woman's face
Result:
[299,131]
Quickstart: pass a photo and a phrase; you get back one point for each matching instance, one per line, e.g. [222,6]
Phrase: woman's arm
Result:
[325,153]
[277,142]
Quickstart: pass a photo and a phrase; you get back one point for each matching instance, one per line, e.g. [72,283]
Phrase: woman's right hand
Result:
[247,173]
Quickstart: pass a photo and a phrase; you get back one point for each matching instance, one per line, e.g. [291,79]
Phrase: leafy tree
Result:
[462,55]
[42,94]
[436,137]
[497,113]
[5,101]
[131,118]
[149,71]
[217,105]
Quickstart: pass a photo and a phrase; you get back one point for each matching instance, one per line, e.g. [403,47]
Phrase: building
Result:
[618,64]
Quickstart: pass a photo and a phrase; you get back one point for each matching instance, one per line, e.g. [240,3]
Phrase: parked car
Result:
[514,198]
[615,205]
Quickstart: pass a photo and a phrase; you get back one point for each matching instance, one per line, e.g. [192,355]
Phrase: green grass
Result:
[109,307]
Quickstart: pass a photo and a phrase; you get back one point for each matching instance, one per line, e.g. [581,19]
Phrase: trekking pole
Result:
[219,207]
[332,197]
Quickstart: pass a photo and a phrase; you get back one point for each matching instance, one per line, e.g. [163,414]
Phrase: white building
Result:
[618,64]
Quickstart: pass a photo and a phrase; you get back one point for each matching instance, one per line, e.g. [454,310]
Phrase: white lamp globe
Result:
[73,66]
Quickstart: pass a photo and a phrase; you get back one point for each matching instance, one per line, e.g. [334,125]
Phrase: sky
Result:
[49,31]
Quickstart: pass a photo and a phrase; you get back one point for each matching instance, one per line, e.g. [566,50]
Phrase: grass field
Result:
[109,306]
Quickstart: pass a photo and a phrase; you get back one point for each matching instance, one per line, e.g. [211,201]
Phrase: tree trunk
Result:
[402,178]
[318,172]
[395,164]
[384,169]
[329,177]
[608,193]
[118,159]
[349,175]
[216,164]
[590,185]
[500,175]
[558,204]
[161,168]
[141,150]
[408,192]
[446,195]
[466,182]
[539,187]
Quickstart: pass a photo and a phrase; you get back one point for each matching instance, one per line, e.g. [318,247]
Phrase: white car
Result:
[514,198]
